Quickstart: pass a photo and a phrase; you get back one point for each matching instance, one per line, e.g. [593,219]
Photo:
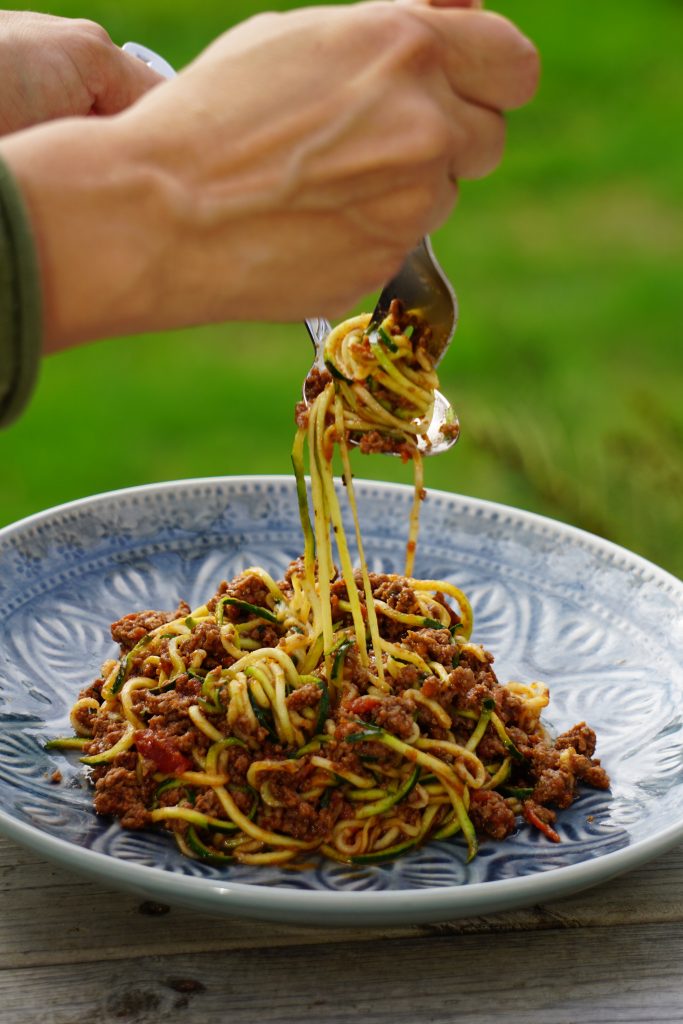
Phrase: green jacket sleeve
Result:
[20,307]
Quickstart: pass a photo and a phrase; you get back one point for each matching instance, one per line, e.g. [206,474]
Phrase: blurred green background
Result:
[567,369]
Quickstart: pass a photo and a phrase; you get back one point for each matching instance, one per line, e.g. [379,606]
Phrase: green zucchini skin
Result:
[337,374]
[204,852]
[244,606]
[124,670]
[387,802]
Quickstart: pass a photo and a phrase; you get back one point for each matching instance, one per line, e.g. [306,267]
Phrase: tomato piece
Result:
[363,705]
[431,687]
[162,752]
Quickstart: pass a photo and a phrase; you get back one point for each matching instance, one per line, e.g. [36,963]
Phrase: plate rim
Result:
[589,540]
[226,897]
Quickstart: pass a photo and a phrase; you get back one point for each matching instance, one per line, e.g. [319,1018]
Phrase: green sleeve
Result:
[20,307]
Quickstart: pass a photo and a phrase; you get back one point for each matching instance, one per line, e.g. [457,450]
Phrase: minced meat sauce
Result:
[544,775]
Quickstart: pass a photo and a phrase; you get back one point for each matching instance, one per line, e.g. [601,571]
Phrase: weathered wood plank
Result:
[49,916]
[594,975]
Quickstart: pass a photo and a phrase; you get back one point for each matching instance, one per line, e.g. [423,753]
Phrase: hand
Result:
[284,173]
[338,144]
[55,67]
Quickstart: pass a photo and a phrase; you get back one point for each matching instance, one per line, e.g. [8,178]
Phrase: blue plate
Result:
[600,625]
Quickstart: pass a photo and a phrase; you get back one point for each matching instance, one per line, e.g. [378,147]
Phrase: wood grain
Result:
[595,976]
[72,952]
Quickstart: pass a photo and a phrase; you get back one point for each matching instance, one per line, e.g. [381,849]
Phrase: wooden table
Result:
[75,953]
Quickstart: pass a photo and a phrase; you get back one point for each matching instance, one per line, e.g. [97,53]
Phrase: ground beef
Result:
[350,756]
[315,383]
[237,762]
[167,716]
[451,431]
[490,749]
[106,731]
[187,686]
[581,737]
[407,678]
[295,568]
[589,770]
[396,715]
[372,442]
[95,688]
[265,635]
[394,591]
[206,636]
[432,645]
[249,588]
[167,742]
[85,718]
[355,673]
[491,815]
[508,705]
[302,820]
[544,814]
[129,630]
[452,690]
[540,755]
[118,793]
[306,696]
[554,786]
[208,803]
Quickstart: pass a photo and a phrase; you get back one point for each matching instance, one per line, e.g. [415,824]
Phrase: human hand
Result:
[285,173]
[56,67]
[338,144]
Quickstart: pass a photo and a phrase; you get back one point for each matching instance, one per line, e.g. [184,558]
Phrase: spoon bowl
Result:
[423,288]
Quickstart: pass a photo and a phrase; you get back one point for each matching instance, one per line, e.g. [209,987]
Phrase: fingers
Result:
[487,59]
[123,79]
[478,141]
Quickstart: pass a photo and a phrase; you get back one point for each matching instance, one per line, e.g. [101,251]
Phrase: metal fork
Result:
[422,286]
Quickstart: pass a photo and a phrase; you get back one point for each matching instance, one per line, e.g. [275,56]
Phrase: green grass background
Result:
[567,368]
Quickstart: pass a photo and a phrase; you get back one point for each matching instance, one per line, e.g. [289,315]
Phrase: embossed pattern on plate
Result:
[601,626]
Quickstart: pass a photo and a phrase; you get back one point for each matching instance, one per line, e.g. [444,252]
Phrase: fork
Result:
[422,287]
[420,284]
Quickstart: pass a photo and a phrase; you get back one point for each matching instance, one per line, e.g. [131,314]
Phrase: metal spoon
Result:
[150,58]
[422,286]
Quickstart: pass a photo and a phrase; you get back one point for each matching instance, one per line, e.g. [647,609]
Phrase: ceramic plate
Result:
[603,627]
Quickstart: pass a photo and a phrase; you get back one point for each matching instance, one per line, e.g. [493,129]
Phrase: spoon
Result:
[423,288]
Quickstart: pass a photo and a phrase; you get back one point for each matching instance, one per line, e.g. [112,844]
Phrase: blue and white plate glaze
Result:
[602,626]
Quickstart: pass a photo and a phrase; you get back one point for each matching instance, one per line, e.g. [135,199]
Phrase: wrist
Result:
[100,222]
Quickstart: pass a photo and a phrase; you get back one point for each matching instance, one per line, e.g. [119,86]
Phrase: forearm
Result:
[100,226]
[19,303]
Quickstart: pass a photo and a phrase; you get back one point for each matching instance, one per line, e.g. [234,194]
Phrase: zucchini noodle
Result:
[336,711]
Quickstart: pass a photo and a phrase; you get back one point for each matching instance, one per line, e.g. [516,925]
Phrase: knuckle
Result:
[482,145]
[431,135]
[92,31]
[419,128]
[412,40]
